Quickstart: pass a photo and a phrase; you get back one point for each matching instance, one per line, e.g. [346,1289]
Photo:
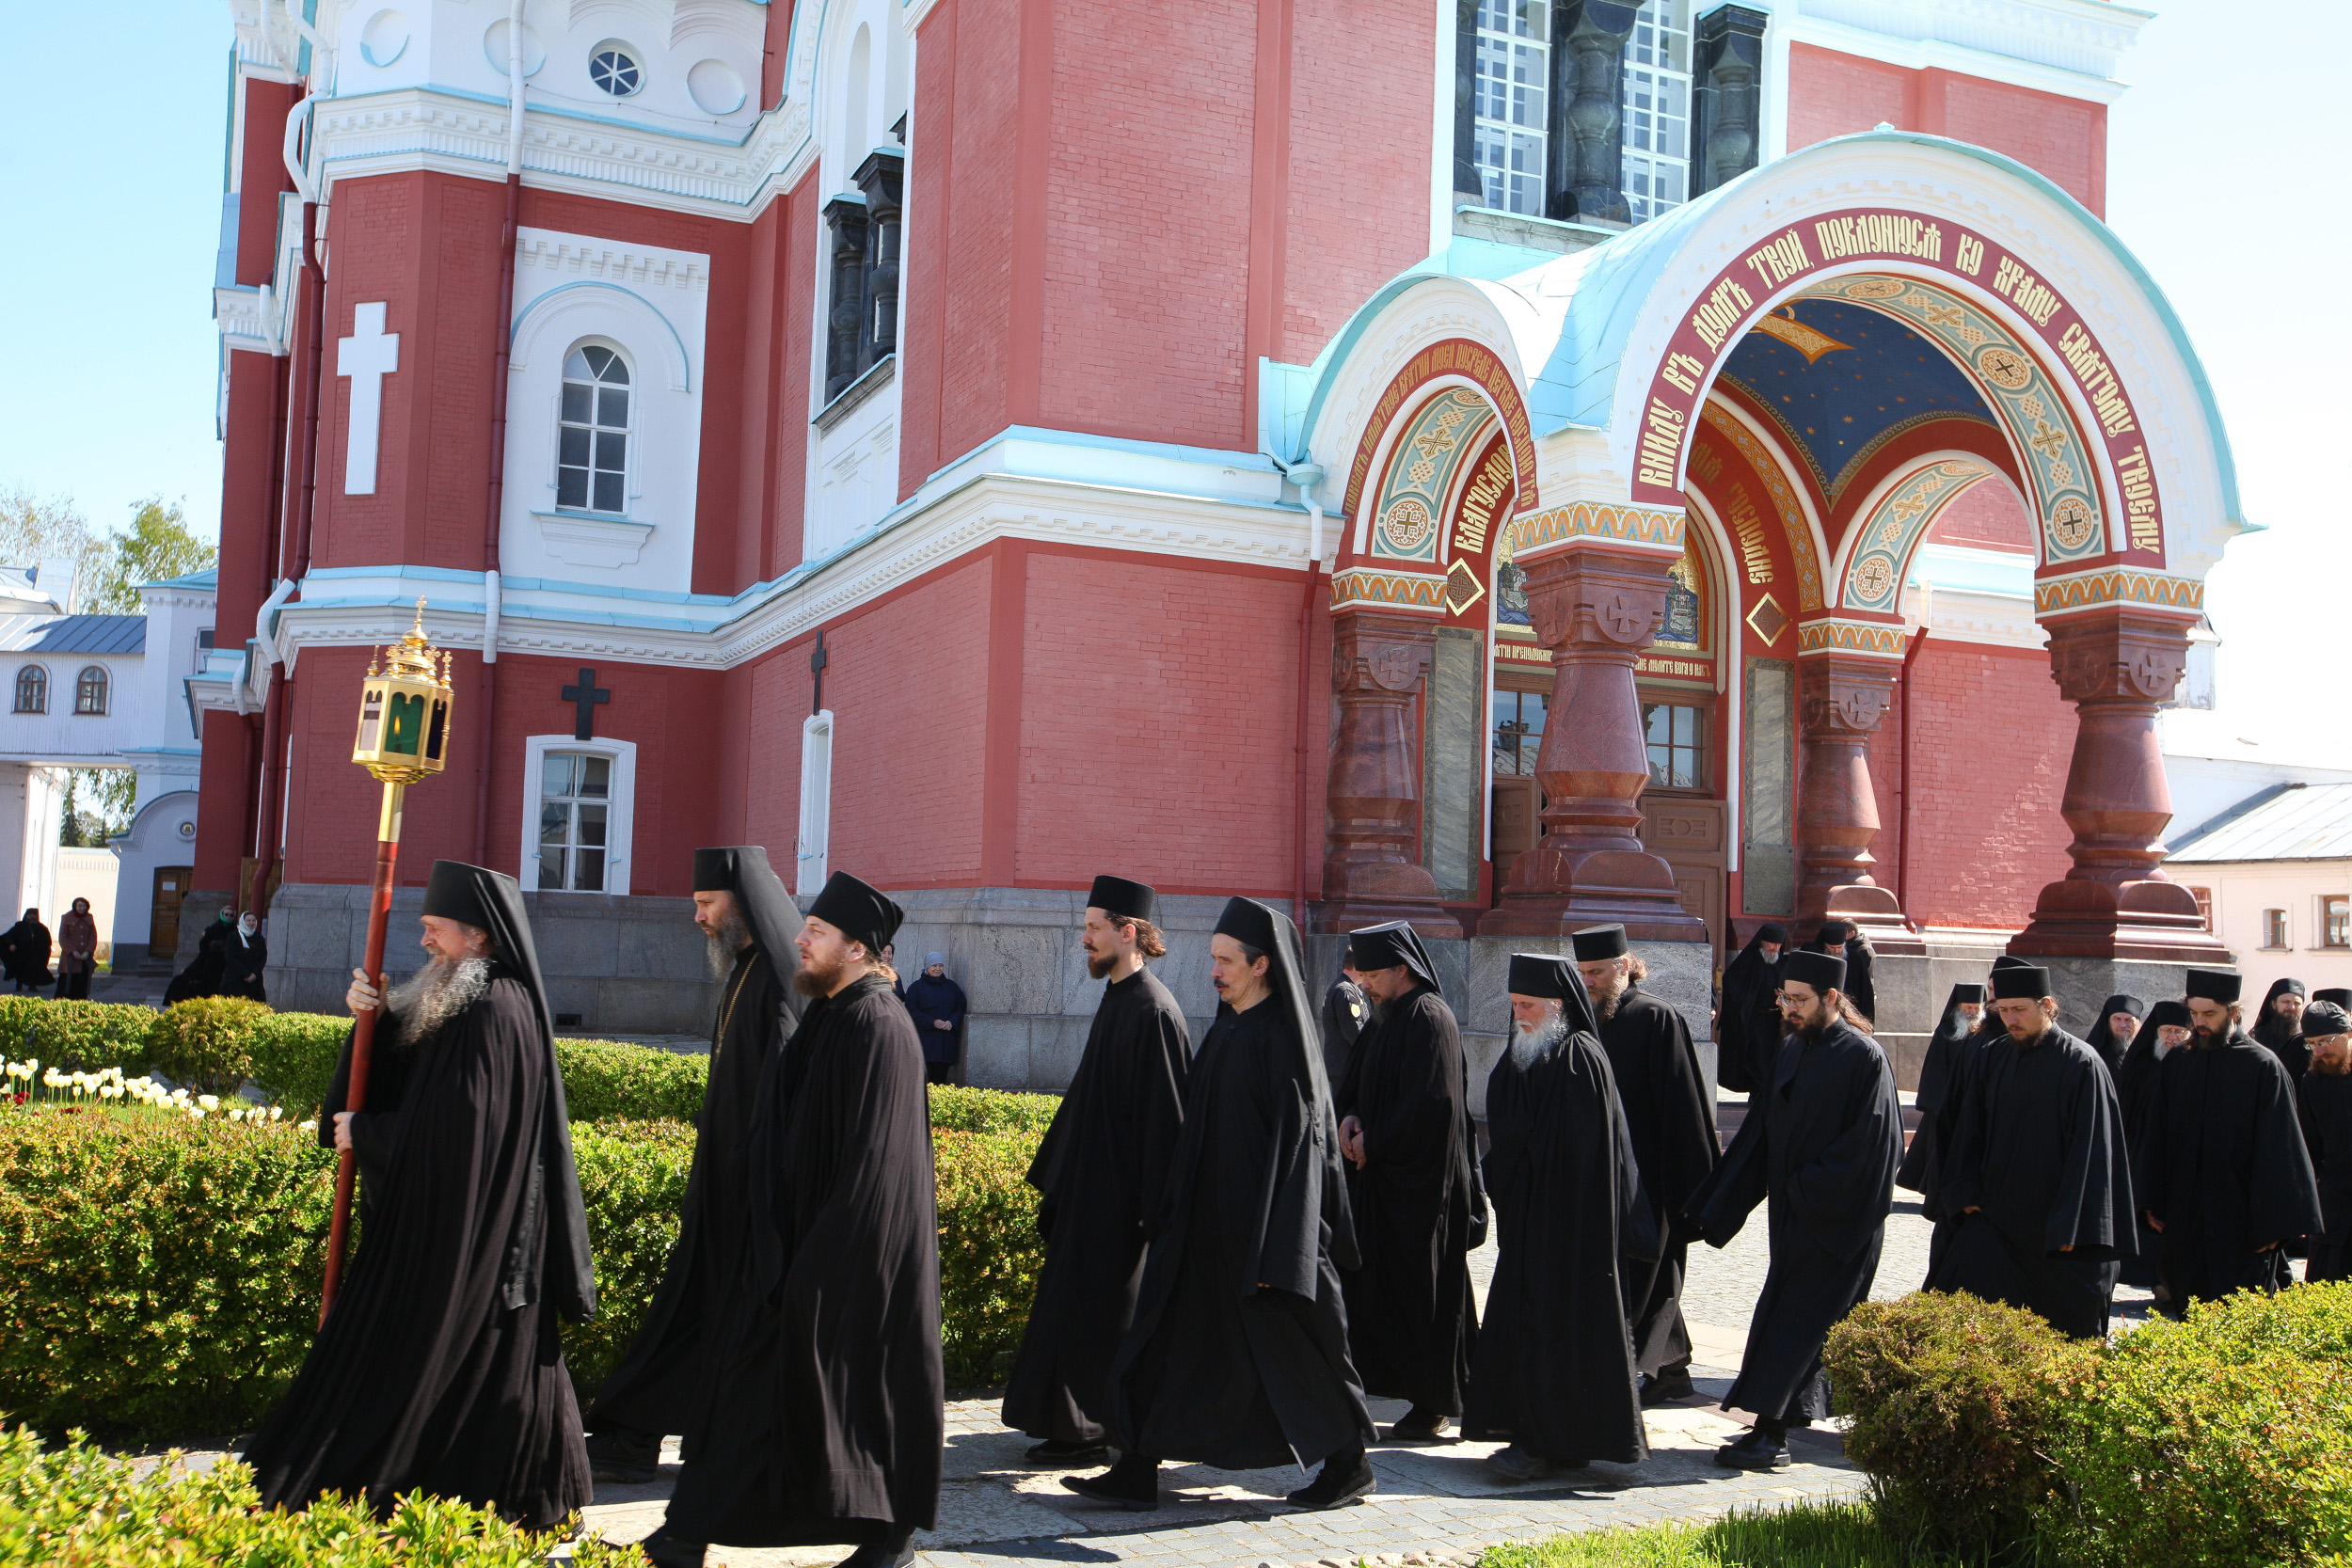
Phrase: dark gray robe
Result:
[2323,1101]
[1655,1069]
[2041,1155]
[1819,1148]
[1101,1170]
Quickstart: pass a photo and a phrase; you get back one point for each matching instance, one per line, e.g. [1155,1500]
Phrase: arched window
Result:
[592,454]
[90,691]
[32,689]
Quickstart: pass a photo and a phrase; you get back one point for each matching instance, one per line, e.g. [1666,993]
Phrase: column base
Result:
[1356,894]
[1563,892]
[1873,910]
[2155,922]
[1354,914]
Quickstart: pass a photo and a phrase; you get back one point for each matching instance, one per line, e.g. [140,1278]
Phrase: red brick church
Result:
[1511,463]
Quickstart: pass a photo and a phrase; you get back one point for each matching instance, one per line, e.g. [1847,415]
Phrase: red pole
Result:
[363,1038]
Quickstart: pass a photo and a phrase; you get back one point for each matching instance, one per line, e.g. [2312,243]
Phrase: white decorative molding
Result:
[601,541]
[2078,45]
[259,318]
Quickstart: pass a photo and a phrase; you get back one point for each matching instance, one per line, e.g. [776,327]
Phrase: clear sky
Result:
[111,155]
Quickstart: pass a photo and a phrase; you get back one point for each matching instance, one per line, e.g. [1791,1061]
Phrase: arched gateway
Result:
[1644,544]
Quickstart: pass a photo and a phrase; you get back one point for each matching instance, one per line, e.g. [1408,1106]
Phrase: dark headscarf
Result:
[2102,1039]
[1385,947]
[1269,931]
[2268,1027]
[1953,1025]
[493,902]
[1545,975]
[742,869]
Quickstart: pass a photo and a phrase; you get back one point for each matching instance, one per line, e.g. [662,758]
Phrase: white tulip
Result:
[210,1101]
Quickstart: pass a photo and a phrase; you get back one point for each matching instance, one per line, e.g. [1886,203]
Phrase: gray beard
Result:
[438,993]
[1529,1042]
[725,942]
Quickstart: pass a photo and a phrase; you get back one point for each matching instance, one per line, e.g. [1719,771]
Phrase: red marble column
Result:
[1372,868]
[1596,609]
[1841,698]
[2115,665]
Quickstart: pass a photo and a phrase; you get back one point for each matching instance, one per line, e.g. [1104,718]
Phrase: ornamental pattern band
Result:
[2091,589]
[1632,525]
[1867,637]
[1359,588]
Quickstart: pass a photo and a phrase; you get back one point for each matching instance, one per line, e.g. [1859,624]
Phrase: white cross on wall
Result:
[368,355]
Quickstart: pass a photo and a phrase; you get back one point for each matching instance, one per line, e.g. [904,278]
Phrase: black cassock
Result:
[1657,1072]
[660,1385]
[1412,1322]
[1747,1024]
[1944,1079]
[2325,1102]
[825,1418]
[1554,1371]
[2136,1089]
[2222,1167]
[1345,1015]
[1217,1369]
[440,1369]
[1819,1148]
[2041,1154]
[1102,1169]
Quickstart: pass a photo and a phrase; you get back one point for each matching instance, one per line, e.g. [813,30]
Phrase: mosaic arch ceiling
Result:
[1841,380]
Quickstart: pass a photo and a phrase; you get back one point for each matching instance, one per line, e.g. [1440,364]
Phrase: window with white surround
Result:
[32,689]
[1513,82]
[89,691]
[816,801]
[592,446]
[614,70]
[1656,105]
[2274,928]
[578,805]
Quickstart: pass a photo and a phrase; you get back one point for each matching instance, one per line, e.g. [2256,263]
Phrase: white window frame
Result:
[1649,53]
[814,849]
[620,811]
[1506,132]
[629,487]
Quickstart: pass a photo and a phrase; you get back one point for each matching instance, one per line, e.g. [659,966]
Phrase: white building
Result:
[2274,875]
[101,691]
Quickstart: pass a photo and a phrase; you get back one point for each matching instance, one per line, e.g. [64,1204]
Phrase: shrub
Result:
[989,1251]
[966,1110]
[200,1043]
[80,1506]
[608,1080]
[1955,1401]
[293,1058]
[2225,1438]
[633,1180]
[78,1035]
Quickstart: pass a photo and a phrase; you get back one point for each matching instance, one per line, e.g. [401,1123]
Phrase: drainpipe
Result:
[502,339]
[1305,475]
[1902,757]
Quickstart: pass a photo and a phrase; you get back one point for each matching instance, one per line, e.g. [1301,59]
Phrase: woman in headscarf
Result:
[2111,1034]
[2164,1029]
[24,950]
[78,952]
[1941,1077]
[2279,1025]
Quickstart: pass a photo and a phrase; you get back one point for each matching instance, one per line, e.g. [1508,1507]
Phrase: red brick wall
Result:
[224,780]
[1990,745]
[769,415]
[1988,516]
[1159,722]
[1835,94]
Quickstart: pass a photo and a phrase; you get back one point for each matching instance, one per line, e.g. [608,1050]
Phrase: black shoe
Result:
[1664,1386]
[895,1550]
[1133,1485]
[666,1550]
[1419,1426]
[1753,1453]
[1515,1464]
[1054,1454]
[624,1458]
[1343,1480]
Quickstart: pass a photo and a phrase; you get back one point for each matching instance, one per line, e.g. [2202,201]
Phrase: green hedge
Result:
[604,1080]
[158,1276]
[293,1058]
[82,1036]
[2220,1441]
[79,1506]
[964,1110]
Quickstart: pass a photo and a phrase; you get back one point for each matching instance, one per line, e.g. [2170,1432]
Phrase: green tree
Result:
[33,530]
[157,546]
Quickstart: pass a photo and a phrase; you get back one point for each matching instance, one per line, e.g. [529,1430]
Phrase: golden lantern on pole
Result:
[402,739]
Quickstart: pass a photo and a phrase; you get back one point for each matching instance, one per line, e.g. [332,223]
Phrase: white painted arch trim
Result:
[620,812]
[1834,573]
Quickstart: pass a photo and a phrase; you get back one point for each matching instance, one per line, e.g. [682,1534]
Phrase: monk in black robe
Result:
[1819,1148]
[1405,1126]
[1673,1120]
[1100,1173]
[2223,1174]
[1842,938]
[439,1368]
[1747,1020]
[2279,1025]
[1238,1357]
[2038,1174]
[748,923]
[2112,1032]
[2324,1101]
[1943,1076]
[1554,1373]
[825,1416]
[2165,1030]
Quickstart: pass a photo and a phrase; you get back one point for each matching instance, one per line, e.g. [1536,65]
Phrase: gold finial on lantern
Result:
[404,710]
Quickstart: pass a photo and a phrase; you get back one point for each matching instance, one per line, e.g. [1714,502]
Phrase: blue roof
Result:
[72,634]
[208,577]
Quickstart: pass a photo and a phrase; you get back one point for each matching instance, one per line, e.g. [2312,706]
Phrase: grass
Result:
[1807,1535]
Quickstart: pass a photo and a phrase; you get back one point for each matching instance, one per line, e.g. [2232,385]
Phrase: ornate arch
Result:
[1456,361]
[1887,530]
